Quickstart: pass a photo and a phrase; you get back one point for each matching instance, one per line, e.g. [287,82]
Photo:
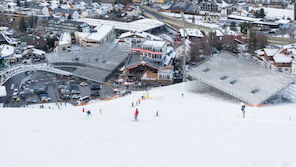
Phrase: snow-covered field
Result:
[198,130]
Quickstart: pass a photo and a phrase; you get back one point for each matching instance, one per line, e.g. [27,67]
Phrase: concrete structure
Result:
[153,50]
[240,78]
[65,42]
[128,38]
[103,35]
[57,25]
[139,25]
[10,72]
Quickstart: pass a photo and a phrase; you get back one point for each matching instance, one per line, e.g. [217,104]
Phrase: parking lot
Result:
[43,87]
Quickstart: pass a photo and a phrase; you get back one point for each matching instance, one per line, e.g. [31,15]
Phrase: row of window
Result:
[163,76]
[153,56]
[152,49]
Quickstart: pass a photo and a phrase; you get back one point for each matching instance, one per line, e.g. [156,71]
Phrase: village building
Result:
[64,44]
[128,38]
[57,25]
[280,59]
[153,50]
[191,33]
[103,35]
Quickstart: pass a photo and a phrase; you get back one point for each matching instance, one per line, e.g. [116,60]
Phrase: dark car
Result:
[95,86]
[66,97]
[95,93]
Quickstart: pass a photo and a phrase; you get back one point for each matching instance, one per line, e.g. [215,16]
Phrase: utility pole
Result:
[184,52]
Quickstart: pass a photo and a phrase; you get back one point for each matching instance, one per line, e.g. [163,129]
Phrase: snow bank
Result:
[196,130]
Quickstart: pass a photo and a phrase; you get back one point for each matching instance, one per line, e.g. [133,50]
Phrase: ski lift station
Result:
[249,82]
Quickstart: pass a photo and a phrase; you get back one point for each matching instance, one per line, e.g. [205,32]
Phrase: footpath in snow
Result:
[197,130]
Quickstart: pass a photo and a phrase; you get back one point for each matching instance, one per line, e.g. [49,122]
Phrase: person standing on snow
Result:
[243,109]
[157,115]
[83,110]
[136,115]
[88,113]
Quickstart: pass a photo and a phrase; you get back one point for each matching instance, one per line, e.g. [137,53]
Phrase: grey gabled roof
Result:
[135,60]
[249,82]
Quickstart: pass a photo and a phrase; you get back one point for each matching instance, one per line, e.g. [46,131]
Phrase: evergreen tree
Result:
[244,27]
[69,17]
[252,42]
[261,13]
[233,26]
[23,25]
[18,3]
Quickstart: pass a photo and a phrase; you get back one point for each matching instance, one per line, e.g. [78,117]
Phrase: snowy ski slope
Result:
[198,130]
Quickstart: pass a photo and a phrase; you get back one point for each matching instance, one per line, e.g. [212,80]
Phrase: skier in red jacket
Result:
[136,115]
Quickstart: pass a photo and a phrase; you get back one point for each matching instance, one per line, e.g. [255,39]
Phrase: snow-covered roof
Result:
[192,32]
[3,92]
[243,18]
[241,78]
[6,50]
[223,4]
[139,25]
[270,52]
[65,38]
[282,58]
[156,44]
[38,52]
[276,13]
[283,21]
[102,31]
[140,34]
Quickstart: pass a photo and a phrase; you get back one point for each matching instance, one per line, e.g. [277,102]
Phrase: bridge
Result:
[12,71]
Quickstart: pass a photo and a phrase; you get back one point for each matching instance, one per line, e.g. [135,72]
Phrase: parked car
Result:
[14,95]
[65,97]
[83,84]
[95,93]
[75,91]
[95,86]
[60,87]
[15,91]
[65,92]
[84,99]
[31,100]
[76,97]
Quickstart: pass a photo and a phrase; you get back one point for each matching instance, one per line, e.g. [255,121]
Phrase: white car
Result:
[76,97]
[83,84]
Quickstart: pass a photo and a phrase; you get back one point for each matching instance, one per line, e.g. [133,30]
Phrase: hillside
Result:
[197,130]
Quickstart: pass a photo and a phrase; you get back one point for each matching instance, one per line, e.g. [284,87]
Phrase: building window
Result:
[206,70]
[224,77]
[254,91]
[233,82]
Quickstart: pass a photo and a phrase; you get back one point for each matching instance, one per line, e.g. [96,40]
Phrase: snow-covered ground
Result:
[198,130]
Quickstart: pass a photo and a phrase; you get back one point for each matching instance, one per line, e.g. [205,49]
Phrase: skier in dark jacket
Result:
[88,113]
[136,115]
[243,109]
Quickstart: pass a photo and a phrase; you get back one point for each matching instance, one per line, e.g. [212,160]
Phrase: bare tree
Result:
[292,34]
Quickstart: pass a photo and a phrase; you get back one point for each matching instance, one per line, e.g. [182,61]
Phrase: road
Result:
[174,22]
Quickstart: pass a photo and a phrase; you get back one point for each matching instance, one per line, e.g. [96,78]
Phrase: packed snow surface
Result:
[197,130]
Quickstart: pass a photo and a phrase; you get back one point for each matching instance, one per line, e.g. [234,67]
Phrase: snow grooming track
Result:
[197,130]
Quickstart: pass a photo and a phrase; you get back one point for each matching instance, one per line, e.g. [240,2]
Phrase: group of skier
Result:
[89,113]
